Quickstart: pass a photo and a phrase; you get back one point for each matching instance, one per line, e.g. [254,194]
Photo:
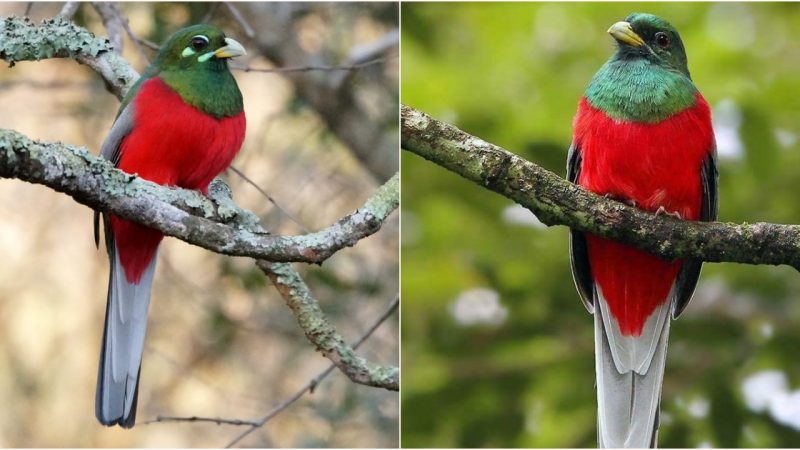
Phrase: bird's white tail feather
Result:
[123,344]
[628,400]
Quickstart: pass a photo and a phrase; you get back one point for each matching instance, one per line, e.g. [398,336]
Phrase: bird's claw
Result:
[662,211]
[627,201]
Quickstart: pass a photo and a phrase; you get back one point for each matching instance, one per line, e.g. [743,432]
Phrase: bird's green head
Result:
[194,63]
[650,37]
[198,46]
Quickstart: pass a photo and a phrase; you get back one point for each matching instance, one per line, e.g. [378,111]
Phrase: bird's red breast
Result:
[655,165]
[173,144]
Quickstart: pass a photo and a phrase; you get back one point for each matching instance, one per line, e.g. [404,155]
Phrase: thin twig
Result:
[217,420]
[320,332]
[28,9]
[137,41]
[112,19]
[312,385]
[272,200]
[312,68]
[248,30]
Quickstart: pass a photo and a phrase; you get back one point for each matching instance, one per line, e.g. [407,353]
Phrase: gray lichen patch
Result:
[22,40]
[386,198]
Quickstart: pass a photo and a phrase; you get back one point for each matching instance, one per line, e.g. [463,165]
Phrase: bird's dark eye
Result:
[199,42]
[662,39]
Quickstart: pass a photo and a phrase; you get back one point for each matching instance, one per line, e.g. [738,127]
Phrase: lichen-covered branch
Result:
[322,334]
[184,214]
[555,201]
[21,40]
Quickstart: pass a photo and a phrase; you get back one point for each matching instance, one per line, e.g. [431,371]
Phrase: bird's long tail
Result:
[628,400]
[123,343]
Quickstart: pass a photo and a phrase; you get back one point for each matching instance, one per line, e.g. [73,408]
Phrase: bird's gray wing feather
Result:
[112,151]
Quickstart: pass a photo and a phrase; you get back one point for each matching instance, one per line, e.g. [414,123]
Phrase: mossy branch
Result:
[21,40]
[556,201]
[222,228]
[312,320]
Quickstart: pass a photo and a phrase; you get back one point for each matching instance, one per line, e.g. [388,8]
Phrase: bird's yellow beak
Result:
[230,50]
[623,32]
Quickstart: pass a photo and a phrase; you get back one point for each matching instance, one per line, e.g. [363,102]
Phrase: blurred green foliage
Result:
[512,73]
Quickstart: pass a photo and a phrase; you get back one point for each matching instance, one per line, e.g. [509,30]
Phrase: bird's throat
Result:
[638,90]
[212,92]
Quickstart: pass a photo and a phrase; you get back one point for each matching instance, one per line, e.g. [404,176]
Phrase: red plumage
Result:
[173,144]
[656,165]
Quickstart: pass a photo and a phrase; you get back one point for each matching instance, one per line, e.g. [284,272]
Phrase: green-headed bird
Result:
[181,124]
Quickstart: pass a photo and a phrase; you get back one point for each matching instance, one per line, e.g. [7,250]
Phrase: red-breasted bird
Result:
[181,124]
[642,135]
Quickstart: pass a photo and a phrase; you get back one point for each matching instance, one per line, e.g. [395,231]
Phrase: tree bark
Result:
[555,201]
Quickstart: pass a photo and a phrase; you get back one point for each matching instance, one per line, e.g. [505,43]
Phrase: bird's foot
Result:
[627,201]
[662,211]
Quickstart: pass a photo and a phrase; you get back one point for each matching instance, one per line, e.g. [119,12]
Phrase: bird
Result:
[642,135]
[181,124]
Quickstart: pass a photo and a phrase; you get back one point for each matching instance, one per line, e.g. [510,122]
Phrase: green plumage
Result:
[648,89]
[208,85]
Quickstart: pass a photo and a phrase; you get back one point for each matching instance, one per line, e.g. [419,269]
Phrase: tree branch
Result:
[312,385]
[556,201]
[21,40]
[308,387]
[223,228]
[322,334]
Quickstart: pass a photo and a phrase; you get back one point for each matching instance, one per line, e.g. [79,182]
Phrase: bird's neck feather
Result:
[212,91]
[638,90]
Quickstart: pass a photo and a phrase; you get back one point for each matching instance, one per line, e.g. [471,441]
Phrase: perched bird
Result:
[181,124]
[642,135]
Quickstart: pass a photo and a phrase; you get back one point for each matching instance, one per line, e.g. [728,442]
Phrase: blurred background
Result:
[497,347]
[221,342]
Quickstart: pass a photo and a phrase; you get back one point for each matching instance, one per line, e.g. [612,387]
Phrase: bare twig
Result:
[322,334]
[111,14]
[28,9]
[312,385]
[112,21]
[345,67]
[216,420]
[248,30]
[268,197]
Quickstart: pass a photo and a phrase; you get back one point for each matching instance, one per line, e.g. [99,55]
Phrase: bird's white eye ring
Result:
[199,42]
